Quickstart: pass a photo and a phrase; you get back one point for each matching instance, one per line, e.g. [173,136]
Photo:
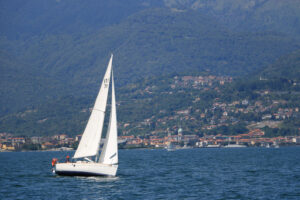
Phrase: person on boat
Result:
[54,161]
[68,158]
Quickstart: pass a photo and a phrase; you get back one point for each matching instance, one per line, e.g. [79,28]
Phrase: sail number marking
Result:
[106,82]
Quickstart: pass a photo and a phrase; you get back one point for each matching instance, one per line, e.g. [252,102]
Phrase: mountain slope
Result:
[287,67]
[148,43]
[23,19]
[249,15]
[19,19]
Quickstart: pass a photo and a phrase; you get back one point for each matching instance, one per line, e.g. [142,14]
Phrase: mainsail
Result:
[109,154]
[90,141]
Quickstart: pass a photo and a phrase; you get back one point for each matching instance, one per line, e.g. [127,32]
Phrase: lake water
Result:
[240,173]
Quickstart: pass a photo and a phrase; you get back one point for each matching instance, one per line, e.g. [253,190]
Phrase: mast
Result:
[89,143]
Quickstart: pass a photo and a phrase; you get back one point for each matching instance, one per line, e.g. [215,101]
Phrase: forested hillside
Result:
[287,67]
[248,15]
[39,65]
[24,19]
[198,102]
[54,49]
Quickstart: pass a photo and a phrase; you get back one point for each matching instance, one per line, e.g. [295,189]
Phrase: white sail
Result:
[109,154]
[90,141]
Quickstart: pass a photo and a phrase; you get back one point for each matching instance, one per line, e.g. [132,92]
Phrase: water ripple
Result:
[249,173]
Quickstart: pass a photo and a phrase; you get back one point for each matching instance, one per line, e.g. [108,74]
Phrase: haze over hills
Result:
[50,49]
[248,15]
[23,19]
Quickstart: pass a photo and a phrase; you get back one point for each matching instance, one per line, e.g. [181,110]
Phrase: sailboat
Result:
[87,160]
[170,147]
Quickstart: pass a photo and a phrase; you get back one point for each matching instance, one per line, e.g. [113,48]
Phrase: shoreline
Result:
[155,148]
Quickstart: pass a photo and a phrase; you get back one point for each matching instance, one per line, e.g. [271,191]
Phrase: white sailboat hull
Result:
[85,169]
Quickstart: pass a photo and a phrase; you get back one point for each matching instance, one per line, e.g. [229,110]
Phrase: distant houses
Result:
[255,137]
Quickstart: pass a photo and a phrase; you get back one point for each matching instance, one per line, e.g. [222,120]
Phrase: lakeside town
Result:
[219,123]
[254,138]
[211,110]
